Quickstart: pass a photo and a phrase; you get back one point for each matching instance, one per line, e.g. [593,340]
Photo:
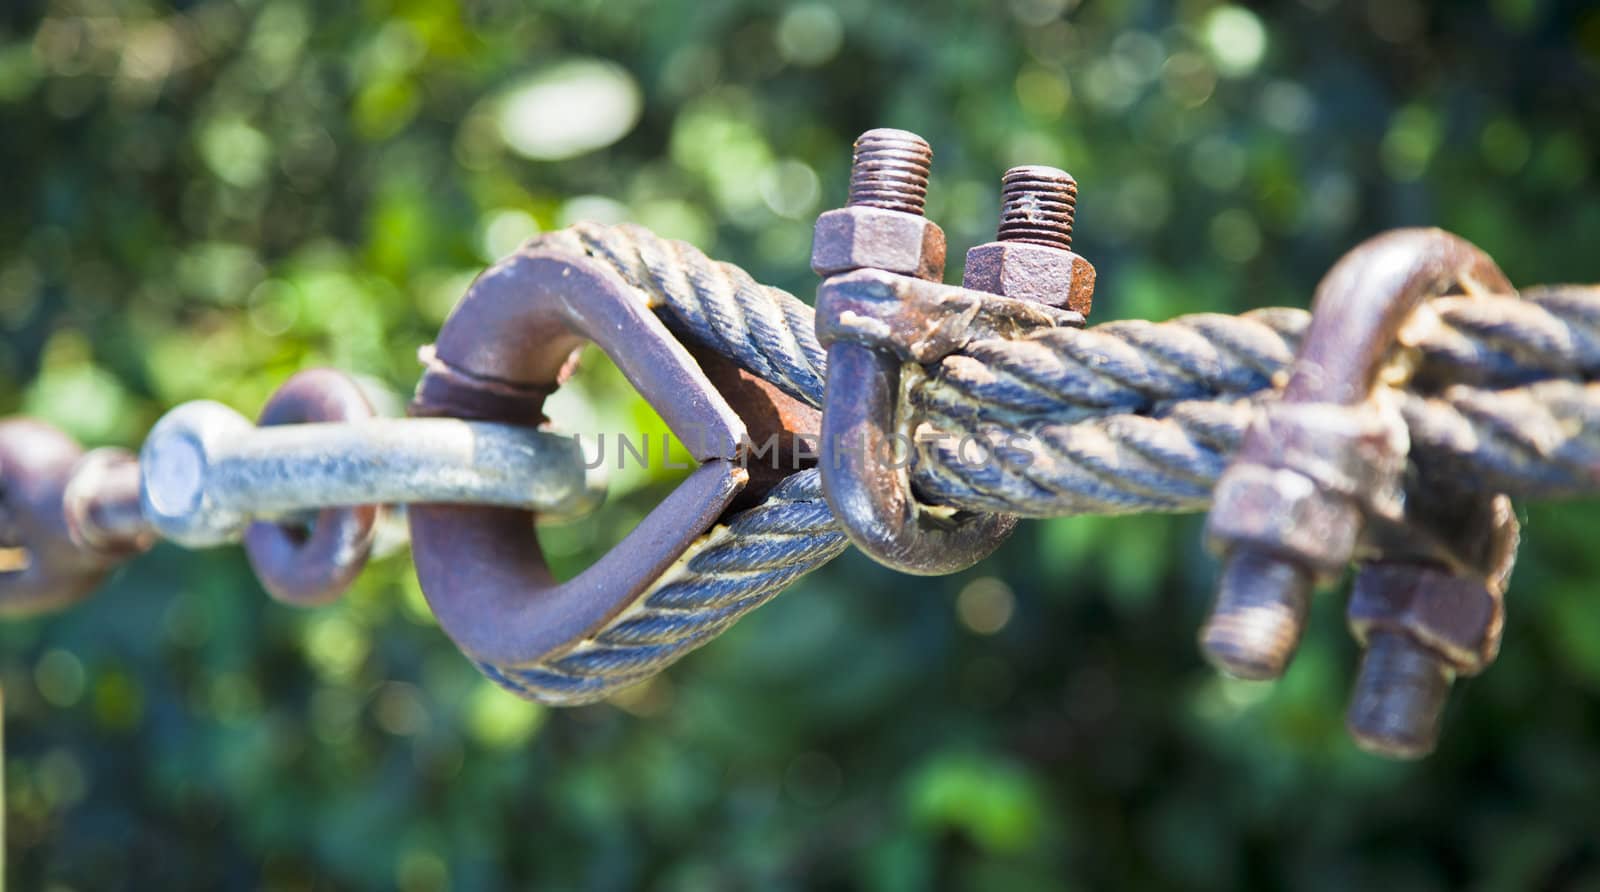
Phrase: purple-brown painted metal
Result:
[510,342]
[60,537]
[297,566]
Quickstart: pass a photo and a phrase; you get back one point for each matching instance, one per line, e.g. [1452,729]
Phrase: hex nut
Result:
[1457,617]
[1283,513]
[1040,273]
[874,238]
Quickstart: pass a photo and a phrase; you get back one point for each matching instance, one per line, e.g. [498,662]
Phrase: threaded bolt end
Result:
[890,171]
[1399,697]
[1036,206]
[1255,627]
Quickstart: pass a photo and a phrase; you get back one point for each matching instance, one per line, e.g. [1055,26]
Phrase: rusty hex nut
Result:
[1459,618]
[1047,275]
[874,238]
[1283,513]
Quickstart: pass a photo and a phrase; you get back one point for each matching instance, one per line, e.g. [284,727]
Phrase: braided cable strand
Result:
[1123,417]
[1546,332]
[1537,441]
[767,331]
[1122,366]
[730,571]
[1128,366]
[1116,464]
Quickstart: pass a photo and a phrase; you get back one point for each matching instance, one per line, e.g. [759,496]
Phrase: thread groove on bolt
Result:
[1036,206]
[1400,694]
[890,171]
[1261,608]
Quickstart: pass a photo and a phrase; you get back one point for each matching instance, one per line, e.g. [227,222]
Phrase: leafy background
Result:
[203,197]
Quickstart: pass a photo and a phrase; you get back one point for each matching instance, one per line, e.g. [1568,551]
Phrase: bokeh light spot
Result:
[1037,13]
[1236,39]
[499,720]
[235,151]
[422,871]
[336,646]
[400,710]
[504,231]
[61,779]
[1042,94]
[592,209]
[1219,163]
[1235,235]
[569,110]
[60,678]
[1408,146]
[1505,145]
[809,34]
[791,189]
[274,306]
[985,605]
[1188,79]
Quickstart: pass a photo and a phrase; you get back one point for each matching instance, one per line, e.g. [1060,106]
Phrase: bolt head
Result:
[874,238]
[1457,617]
[174,465]
[1047,275]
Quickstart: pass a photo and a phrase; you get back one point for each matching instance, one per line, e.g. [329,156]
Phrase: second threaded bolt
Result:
[1037,204]
[1031,257]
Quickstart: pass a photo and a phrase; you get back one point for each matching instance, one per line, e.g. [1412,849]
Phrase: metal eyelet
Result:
[509,343]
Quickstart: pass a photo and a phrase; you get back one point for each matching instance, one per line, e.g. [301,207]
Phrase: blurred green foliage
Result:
[203,197]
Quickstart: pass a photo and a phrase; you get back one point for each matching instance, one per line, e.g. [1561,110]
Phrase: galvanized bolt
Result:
[890,171]
[1260,613]
[1399,696]
[1036,206]
[207,471]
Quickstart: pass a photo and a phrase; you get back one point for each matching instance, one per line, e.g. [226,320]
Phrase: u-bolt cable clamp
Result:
[1313,467]
[882,311]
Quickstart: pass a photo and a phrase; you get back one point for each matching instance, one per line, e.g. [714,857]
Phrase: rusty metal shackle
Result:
[66,517]
[508,344]
[1315,466]
[297,566]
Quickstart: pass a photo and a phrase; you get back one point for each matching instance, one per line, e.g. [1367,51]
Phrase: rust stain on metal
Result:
[1031,257]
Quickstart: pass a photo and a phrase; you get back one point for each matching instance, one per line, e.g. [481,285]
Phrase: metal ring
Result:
[507,345]
[44,568]
[310,570]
